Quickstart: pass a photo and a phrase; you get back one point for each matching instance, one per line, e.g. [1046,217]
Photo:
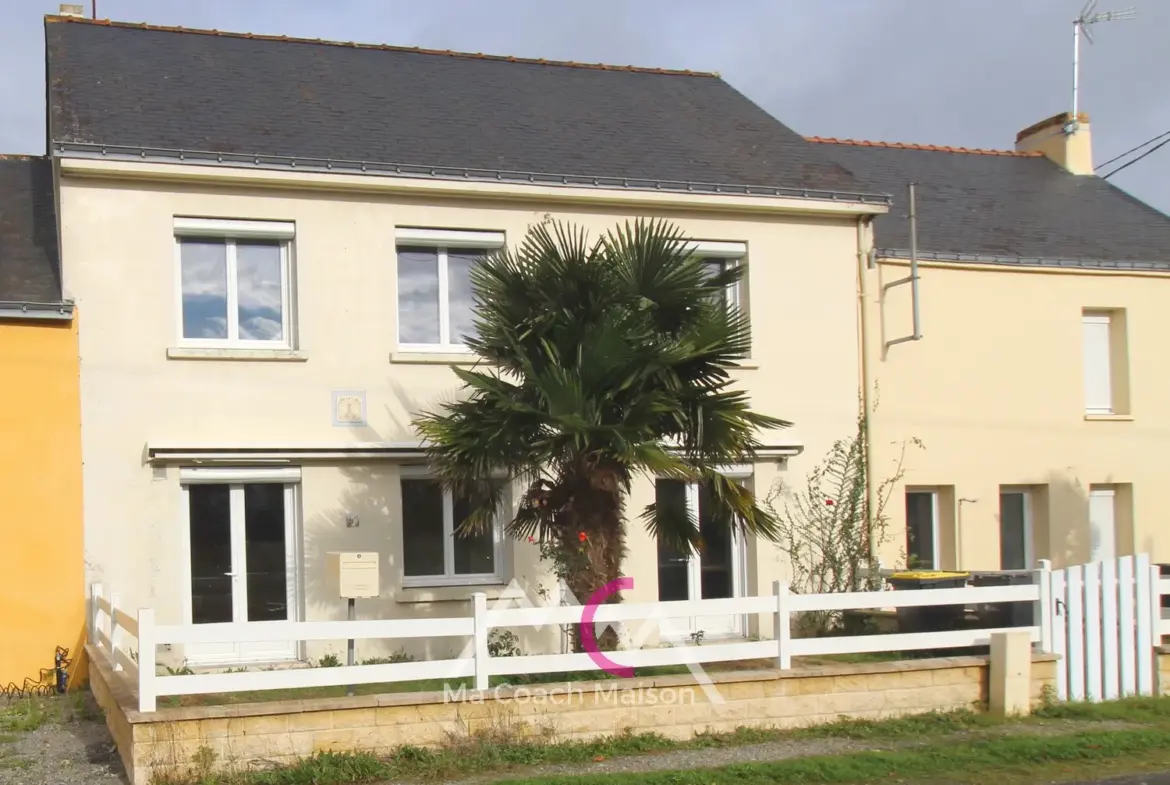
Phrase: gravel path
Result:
[73,750]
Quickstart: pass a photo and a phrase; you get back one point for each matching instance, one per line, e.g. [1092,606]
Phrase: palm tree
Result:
[600,361]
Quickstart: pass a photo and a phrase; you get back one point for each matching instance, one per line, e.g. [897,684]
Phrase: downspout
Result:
[864,263]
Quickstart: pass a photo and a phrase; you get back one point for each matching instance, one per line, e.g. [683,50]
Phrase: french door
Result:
[241,554]
[718,572]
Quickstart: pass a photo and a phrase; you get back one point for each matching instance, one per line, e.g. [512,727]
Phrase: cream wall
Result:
[995,392]
[119,266]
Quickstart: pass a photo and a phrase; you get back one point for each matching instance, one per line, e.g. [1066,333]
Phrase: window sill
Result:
[434,358]
[416,594]
[1109,417]
[191,353]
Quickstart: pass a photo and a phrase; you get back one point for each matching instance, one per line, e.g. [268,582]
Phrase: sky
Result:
[964,73]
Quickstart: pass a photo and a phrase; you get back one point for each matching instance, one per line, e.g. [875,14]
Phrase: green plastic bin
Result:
[930,618]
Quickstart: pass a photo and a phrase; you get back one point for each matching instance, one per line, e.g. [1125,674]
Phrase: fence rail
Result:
[112,626]
[1103,619]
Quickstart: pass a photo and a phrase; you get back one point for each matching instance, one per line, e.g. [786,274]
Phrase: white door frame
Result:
[235,479]
[680,629]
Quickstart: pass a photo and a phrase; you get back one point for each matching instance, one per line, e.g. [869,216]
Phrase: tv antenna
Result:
[1081,26]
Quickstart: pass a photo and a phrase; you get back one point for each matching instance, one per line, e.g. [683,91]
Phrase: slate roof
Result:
[1004,207]
[132,85]
[29,270]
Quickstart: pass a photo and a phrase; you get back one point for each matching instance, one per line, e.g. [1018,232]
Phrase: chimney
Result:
[69,9]
[1062,139]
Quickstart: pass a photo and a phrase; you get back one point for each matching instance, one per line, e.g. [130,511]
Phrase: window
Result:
[716,257]
[431,553]
[922,535]
[235,283]
[1015,529]
[435,308]
[1106,362]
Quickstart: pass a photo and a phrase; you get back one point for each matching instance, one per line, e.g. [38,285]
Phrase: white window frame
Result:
[935,529]
[1091,321]
[229,231]
[1029,544]
[449,578]
[441,240]
[730,253]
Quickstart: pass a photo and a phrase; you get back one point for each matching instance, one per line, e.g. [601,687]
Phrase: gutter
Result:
[77,152]
[1025,261]
[19,309]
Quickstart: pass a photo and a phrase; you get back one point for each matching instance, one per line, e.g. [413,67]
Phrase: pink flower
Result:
[829,502]
[581,536]
[531,539]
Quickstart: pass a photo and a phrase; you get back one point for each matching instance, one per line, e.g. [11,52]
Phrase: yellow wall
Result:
[995,392]
[41,584]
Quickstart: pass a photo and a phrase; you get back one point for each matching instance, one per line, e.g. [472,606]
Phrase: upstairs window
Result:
[718,257]
[235,283]
[1106,362]
[435,304]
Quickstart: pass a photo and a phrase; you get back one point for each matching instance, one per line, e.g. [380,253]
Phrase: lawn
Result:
[1060,742]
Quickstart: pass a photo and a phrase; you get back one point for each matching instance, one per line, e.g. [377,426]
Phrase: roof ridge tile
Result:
[930,147]
[386,47]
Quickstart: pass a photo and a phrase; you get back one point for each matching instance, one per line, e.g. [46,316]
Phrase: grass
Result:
[961,746]
[1010,759]
[24,715]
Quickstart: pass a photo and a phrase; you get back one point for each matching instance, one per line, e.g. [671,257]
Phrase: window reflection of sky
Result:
[258,286]
[418,295]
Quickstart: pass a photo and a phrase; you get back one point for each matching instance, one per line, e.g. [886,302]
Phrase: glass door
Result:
[242,564]
[715,573]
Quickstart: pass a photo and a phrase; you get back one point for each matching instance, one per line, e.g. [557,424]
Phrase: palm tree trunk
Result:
[593,541]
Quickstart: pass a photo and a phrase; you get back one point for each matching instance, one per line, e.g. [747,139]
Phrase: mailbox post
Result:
[356,576]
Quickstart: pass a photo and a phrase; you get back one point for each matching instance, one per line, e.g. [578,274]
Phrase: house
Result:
[272,277]
[1037,386]
[41,599]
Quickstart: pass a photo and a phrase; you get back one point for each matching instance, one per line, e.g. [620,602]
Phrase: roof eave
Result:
[1025,261]
[80,151]
[23,309]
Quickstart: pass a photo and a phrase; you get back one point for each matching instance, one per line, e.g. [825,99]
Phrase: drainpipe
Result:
[864,263]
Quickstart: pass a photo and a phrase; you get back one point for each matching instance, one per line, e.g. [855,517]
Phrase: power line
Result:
[1131,150]
[1156,147]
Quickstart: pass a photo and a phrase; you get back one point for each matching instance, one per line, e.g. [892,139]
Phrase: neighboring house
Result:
[41,598]
[1039,385]
[269,240]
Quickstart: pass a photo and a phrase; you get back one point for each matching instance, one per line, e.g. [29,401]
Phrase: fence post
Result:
[783,626]
[480,639]
[147,653]
[95,594]
[116,630]
[1042,612]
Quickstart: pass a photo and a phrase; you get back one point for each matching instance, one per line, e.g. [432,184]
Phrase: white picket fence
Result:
[1106,620]
[112,627]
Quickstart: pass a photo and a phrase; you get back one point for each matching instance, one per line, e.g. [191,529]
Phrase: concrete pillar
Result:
[1010,677]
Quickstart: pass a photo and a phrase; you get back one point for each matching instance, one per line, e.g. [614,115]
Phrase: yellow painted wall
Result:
[995,391]
[42,597]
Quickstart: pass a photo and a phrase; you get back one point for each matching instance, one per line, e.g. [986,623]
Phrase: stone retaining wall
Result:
[279,732]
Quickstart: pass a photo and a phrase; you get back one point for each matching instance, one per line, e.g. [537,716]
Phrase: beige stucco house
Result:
[1037,385]
[272,273]
[273,277]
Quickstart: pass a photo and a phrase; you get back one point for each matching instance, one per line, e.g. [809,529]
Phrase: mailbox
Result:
[355,573]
